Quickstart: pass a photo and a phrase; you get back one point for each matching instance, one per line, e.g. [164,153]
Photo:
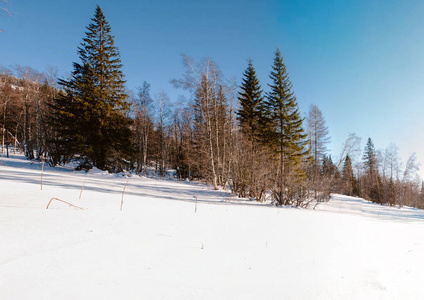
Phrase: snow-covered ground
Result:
[159,247]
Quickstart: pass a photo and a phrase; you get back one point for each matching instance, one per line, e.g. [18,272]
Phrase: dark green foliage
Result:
[281,129]
[90,113]
[281,123]
[372,180]
[328,167]
[249,115]
[251,101]
[349,186]
[370,157]
[330,173]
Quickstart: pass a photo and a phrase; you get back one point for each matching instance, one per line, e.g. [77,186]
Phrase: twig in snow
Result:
[57,199]
[86,177]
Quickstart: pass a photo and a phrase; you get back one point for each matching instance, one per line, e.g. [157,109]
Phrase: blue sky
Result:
[361,62]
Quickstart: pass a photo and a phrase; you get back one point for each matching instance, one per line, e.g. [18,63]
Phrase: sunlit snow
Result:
[166,245]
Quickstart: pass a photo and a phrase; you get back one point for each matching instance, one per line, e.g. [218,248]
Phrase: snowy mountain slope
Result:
[158,247]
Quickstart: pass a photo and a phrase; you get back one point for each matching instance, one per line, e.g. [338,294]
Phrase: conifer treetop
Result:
[283,112]
[99,52]
[91,122]
[251,99]
[370,156]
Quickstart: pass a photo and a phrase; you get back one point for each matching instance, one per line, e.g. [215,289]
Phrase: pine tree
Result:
[90,113]
[251,101]
[281,127]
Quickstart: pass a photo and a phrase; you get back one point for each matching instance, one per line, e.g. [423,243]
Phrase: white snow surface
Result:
[158,247]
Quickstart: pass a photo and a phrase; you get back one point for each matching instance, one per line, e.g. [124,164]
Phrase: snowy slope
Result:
[158,247]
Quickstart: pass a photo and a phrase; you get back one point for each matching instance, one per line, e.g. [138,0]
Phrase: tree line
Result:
[25,94]
[230,135]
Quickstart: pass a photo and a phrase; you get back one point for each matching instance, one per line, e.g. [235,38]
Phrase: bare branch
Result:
[4,10]
[350,147]
[57,199]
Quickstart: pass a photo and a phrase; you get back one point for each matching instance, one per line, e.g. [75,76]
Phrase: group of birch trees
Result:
[25,95]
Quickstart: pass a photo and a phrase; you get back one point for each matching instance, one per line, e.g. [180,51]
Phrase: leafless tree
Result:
[143,125]
[25,109]
[350,147]
[318,135]
[210,116]
[391,161]
[163,109]
[318,138]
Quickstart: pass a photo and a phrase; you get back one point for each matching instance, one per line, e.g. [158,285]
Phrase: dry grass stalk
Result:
[57,199]
[82,188]
[42,169]
[195,206]
[123,192]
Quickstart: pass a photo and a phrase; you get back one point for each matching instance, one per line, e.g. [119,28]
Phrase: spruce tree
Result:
[349,181]
[248,115]
[90,113]
[372,179]
[251,101]
[370,158]
[328,168]
[391,197]
[281,126]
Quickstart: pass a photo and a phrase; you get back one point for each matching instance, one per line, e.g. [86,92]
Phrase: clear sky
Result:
[360,61]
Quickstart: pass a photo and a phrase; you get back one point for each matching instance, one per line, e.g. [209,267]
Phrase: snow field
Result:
[159,248]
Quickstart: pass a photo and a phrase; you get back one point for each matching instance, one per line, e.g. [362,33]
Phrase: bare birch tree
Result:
[163,110]
[204,81]
[143,125]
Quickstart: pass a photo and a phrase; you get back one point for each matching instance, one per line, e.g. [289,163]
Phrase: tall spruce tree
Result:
[90,115]
[372,184]
[370,158]
[251,101]
[248,115]
[349,181]
[281,127]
